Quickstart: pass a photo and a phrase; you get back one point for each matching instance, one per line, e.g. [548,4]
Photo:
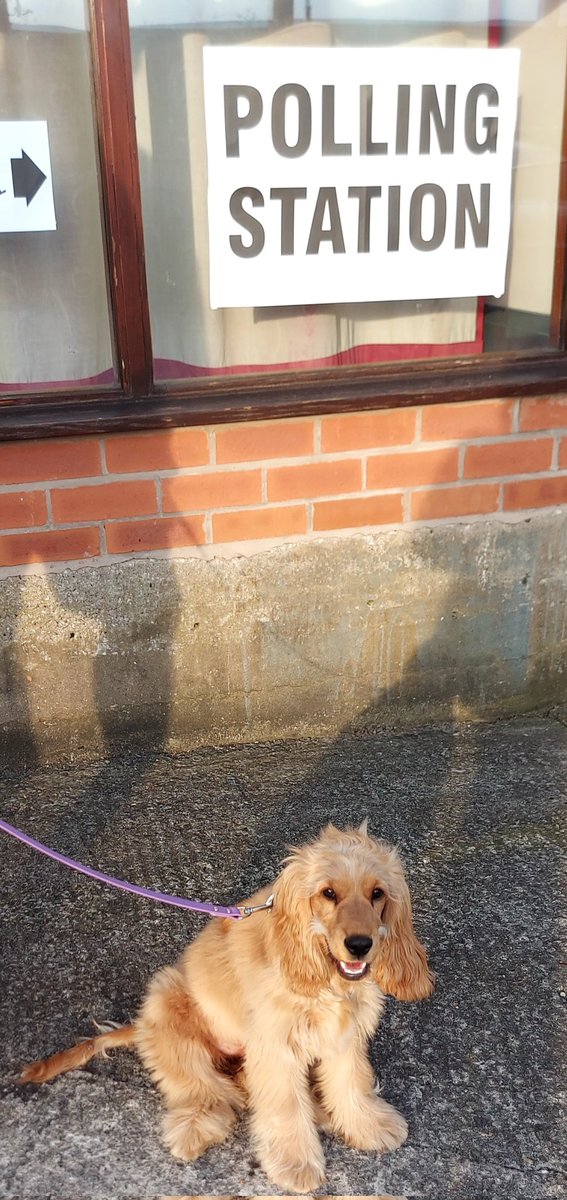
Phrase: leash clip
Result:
[246,910]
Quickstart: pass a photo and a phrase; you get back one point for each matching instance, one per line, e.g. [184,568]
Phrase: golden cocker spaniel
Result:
[273,1013]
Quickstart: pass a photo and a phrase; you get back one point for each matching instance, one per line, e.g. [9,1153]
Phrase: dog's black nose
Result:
[358,945]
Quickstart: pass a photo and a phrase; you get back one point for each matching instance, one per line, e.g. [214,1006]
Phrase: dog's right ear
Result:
[300,949]
[402,969]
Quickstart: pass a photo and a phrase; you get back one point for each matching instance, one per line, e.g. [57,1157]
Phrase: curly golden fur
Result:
[273,1013]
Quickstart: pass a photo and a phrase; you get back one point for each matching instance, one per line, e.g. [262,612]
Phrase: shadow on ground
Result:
[476,1070]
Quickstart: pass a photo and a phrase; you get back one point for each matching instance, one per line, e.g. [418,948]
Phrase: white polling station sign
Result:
[26,187]
[347,175]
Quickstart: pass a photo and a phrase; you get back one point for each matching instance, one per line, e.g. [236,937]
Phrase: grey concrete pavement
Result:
[477,812]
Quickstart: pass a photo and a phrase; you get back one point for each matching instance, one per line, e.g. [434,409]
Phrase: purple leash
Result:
[212,910]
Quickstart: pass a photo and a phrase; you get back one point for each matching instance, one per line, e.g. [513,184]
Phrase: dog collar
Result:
[247,909]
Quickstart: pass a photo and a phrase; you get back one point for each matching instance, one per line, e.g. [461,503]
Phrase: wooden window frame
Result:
[137,402]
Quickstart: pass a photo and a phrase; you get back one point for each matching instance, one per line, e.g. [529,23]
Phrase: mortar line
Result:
[103,460]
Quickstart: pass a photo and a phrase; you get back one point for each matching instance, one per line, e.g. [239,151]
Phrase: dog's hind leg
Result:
[175,1045]
[77,1056]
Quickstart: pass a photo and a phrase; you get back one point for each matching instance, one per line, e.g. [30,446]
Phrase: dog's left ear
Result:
[300,950]
[402,969]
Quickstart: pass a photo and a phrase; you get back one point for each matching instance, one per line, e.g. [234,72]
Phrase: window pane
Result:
[54,311]
[192,338]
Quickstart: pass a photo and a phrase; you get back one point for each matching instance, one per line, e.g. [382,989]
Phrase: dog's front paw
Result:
[188,1132]
[295,1177]
[378,1126]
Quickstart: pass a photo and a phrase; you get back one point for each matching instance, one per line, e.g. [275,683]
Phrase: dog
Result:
[274,1013]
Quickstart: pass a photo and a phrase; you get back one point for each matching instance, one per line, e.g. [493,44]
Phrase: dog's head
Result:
[343,909]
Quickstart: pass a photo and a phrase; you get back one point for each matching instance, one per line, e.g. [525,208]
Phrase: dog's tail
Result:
[78,1056]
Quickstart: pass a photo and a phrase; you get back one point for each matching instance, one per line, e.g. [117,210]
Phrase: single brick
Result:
[21,509]
[314,479]
[56,458]
[419,467]
[543,412]
[358,431]
[157,450]
[99,502]
[536,493]
[263,522]
[51,545]
[349,514]
[271,439]
[127,537]
[508,458]
[563,452]
[216,489]
[454,501]
[479,418]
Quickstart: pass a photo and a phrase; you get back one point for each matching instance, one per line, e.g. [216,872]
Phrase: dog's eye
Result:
[377,893]
[329,894]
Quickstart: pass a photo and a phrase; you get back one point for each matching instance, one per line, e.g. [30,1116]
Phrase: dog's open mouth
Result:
[352,970]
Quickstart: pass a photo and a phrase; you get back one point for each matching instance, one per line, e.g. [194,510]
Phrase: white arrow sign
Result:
[26,187]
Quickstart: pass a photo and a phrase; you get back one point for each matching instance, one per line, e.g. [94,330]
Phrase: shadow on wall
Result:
[440,622]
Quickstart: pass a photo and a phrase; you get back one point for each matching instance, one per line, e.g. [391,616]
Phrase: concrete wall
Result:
[451,621]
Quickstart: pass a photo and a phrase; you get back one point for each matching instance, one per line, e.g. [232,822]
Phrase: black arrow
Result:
[26,178]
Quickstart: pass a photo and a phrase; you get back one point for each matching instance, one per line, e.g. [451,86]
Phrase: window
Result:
[55,325]
[157,300]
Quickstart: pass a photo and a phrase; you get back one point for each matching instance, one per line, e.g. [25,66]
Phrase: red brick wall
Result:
[82,498]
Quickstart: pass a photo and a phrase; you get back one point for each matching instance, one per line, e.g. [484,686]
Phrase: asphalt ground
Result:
[478,813]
